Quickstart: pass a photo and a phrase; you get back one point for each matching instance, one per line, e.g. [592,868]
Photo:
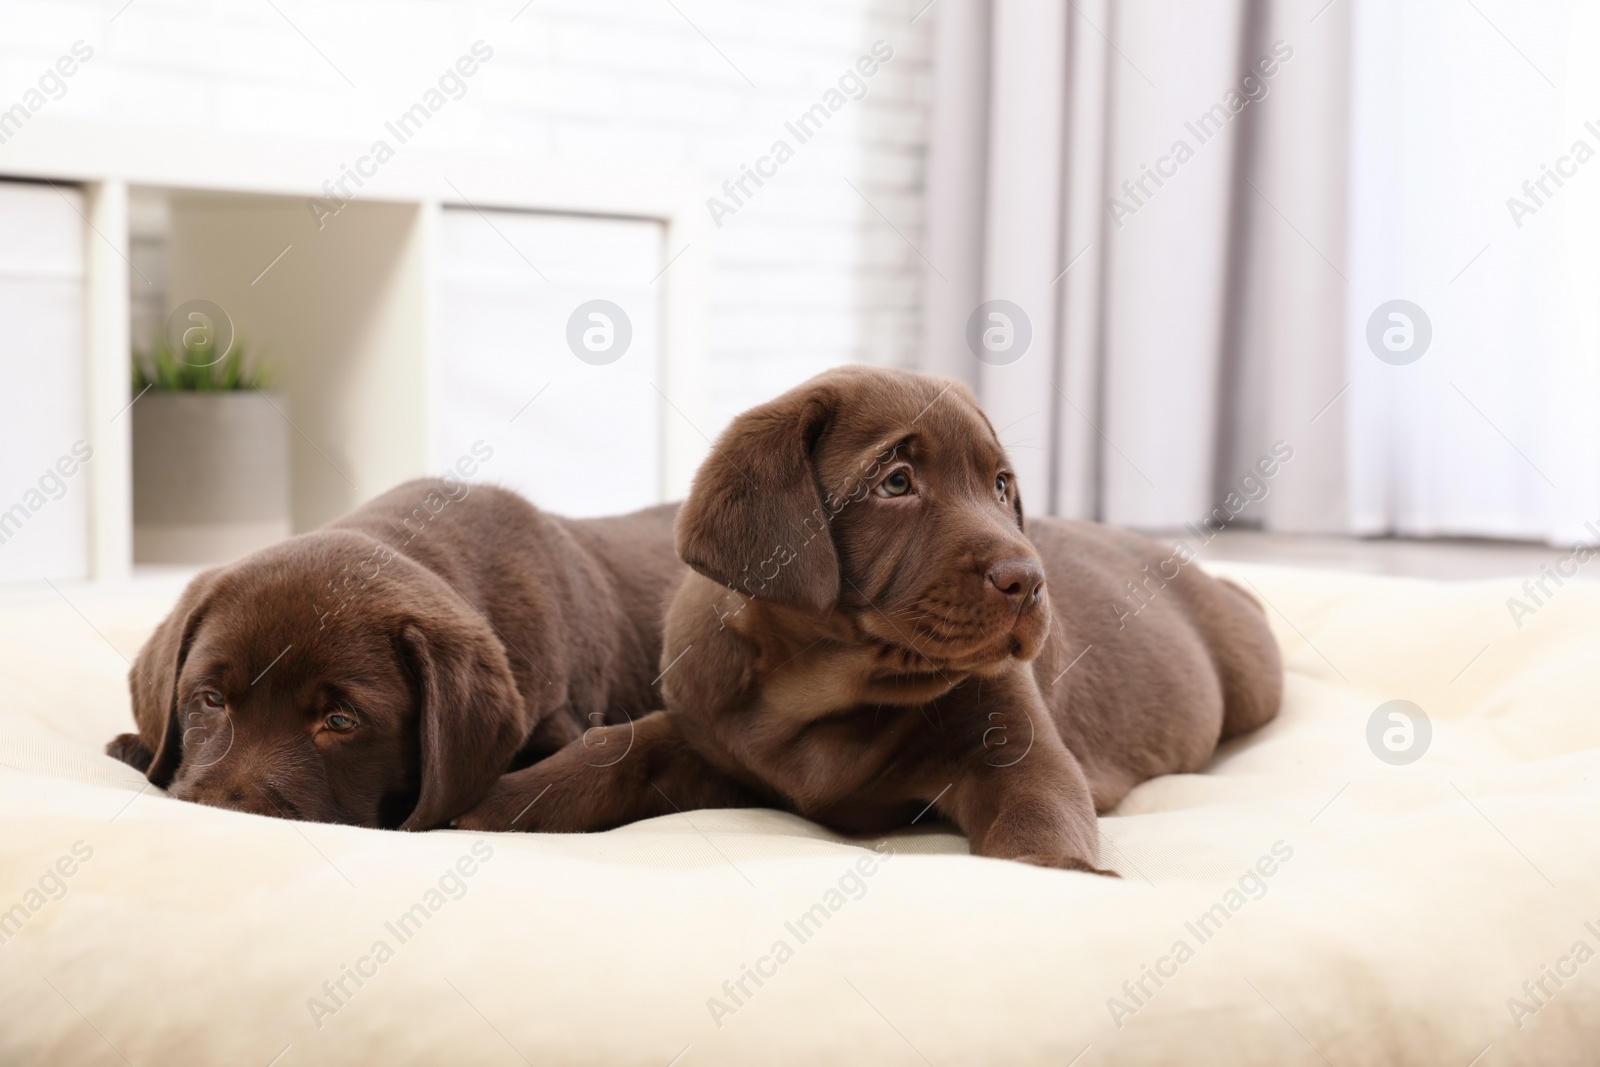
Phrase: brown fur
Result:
[461,629]
[859,658]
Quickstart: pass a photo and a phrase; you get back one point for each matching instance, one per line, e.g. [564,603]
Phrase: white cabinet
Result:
[44,438]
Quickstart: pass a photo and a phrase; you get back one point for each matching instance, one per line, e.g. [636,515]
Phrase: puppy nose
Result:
[1021,580]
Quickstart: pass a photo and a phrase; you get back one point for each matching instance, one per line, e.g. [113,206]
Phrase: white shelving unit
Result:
[433,303]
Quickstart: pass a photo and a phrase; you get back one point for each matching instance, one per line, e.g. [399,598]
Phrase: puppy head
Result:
[327,679]
[883,496]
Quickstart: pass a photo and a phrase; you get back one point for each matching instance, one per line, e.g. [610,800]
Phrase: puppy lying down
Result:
[871,630]
[385,669]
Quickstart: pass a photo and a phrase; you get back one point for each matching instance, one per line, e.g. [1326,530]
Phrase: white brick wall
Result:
[806,276]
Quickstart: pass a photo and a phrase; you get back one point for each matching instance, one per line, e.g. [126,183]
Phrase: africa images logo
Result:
[999,332]
[1399,332]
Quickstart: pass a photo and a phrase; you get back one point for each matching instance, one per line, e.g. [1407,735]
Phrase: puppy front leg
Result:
[130,750]
[611,776]
[1036,807]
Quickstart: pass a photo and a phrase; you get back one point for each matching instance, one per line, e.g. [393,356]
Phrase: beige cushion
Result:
[1406,907]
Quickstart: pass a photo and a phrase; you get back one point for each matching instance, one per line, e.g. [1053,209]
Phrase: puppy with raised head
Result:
[873,629]
[385,669]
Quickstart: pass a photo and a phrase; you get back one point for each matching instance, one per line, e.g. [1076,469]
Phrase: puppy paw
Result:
[509,805]
[130,750]
[1066,863]
[484,818]
[475,822]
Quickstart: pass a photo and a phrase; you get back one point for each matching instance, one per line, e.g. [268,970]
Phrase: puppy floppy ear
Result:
[153,683]
[755,519]
[472,719]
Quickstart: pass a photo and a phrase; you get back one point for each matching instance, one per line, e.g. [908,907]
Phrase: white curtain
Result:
[1494,430]
[1200,207]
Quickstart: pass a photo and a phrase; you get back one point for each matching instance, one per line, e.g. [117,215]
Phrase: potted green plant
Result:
[210,456]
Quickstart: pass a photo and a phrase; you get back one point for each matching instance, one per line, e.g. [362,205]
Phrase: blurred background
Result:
[1309,281]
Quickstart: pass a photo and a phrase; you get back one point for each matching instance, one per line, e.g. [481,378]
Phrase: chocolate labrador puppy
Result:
[873,631]
[385,669]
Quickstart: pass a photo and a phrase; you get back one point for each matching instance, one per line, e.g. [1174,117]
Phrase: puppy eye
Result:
[1001,484]
[210,698]
[897,484]
[339,722]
